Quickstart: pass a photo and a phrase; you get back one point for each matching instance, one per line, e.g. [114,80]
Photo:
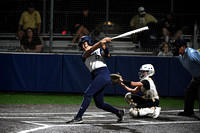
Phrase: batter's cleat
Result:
[75,121]
[157,112]
[121,115]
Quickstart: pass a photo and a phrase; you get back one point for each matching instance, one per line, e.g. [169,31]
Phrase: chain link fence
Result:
[110,18]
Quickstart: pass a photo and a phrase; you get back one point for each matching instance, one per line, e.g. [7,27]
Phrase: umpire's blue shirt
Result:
[191,61]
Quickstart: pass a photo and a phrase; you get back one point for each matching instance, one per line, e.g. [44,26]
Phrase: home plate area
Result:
[96,121]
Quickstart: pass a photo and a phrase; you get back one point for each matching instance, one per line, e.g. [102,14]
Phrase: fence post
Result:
[107,17]
[44,16]
[195,45]
[172,6]
[51,26]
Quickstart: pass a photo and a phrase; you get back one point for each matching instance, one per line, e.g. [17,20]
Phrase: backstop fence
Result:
[110,17]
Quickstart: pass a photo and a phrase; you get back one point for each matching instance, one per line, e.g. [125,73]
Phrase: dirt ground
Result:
[47,118]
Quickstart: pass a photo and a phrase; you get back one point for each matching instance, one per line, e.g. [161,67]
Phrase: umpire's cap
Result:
[86,39]
[177,44]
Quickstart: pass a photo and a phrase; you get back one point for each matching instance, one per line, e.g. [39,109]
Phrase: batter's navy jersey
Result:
[95,60]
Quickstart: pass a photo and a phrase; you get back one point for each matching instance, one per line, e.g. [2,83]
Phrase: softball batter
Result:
[93,59]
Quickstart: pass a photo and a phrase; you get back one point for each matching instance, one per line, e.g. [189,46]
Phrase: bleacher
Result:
[61,44]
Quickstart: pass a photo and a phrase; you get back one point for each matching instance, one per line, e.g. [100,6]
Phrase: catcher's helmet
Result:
[148,68]
[177,44]
[86,39]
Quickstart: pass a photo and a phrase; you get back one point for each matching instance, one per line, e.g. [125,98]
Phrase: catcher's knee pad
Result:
[128,97]
[133,112]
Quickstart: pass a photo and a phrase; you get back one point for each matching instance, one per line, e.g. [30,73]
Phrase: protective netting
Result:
[109,17]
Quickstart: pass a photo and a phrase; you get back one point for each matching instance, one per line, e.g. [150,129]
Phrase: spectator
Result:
[29,19]
[97,35]
[169,28]
[166,50]
[190,59]
[84,25]
[30,42]
[141,20]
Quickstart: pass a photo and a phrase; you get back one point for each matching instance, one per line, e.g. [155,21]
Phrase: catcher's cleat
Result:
[121,115]
[157,112]
[75,121]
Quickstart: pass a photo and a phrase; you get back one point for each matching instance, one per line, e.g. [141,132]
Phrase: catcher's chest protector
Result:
[152,88]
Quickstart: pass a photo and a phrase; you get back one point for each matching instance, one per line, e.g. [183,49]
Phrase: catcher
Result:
[146,105]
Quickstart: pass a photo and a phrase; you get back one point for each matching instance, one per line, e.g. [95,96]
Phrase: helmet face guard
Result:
[175,50]
[141,74]
[146,68]
[178,43]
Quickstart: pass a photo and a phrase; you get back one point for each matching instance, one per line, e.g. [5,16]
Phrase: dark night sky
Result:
[155,6]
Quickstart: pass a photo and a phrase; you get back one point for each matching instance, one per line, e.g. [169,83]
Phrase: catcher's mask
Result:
[86,39]
[146,68]
[176,44]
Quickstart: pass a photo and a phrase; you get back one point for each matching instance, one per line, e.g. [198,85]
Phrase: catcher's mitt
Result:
[115,78]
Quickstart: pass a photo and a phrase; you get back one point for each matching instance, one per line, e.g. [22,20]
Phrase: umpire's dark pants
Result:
[190,94]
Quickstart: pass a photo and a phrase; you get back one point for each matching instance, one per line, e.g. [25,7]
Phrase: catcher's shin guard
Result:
[146,111]
[154,112]
[134,112]
[128,98]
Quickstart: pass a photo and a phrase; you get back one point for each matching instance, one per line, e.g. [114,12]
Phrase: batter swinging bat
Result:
[131,32]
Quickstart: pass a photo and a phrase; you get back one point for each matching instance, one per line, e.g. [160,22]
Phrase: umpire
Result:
[190,59]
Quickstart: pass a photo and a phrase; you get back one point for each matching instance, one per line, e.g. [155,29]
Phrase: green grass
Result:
[39,98]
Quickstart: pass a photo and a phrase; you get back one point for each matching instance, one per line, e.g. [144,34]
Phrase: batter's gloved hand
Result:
[115,78]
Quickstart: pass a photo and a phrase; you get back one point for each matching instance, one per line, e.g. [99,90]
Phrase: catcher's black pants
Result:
[144,103]
[190,94]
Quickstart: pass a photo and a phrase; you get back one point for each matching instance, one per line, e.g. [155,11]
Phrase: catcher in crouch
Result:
[146,105]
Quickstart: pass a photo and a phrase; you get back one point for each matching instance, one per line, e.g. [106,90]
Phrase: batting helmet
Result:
[86,39]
